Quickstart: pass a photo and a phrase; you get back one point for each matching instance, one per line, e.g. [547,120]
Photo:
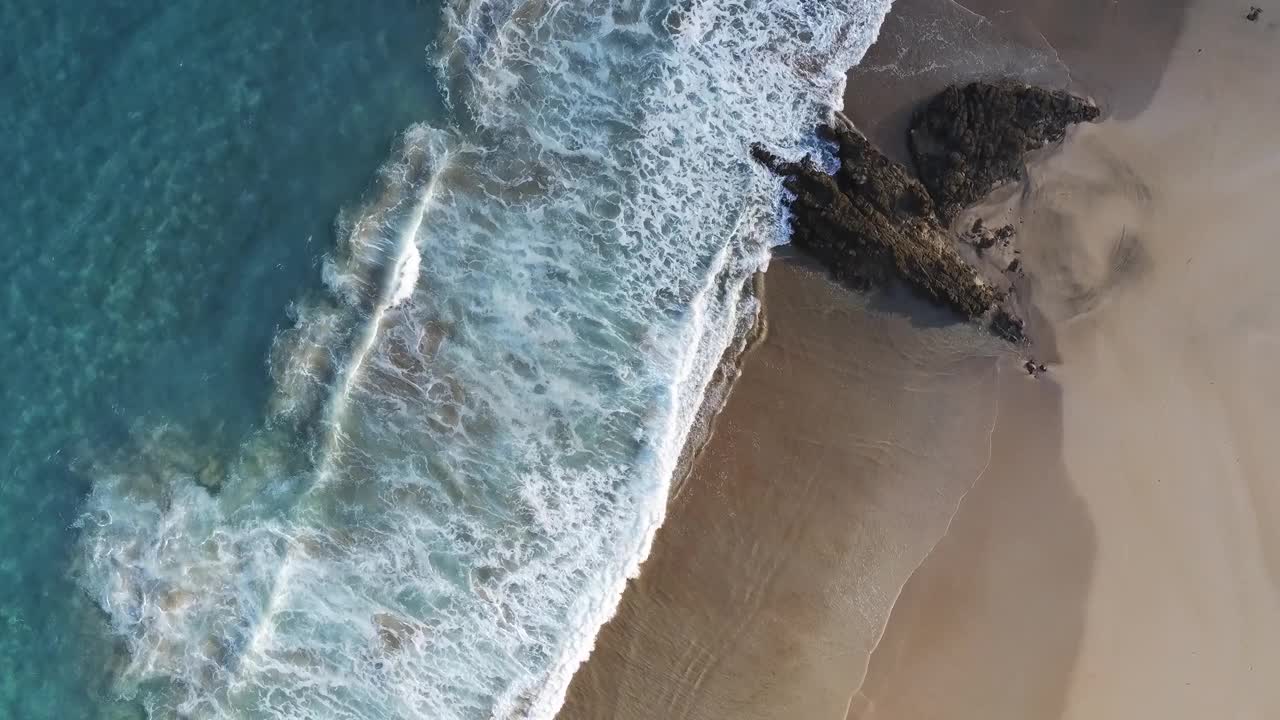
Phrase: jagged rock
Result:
[982,237]
[969,139]
[1008,326]
[872,221]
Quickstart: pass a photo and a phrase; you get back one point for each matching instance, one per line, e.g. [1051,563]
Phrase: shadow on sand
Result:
[990,625]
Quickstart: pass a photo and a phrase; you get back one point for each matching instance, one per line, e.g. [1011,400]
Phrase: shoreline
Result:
[719,388]
[761,504]
[717,401]
[1029,550]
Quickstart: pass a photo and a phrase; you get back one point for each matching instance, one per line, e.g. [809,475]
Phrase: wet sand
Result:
[1119,552]
[839,458]
[1018,557]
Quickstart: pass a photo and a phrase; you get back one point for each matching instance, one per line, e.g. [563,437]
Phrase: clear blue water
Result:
[172,171]
[266,464]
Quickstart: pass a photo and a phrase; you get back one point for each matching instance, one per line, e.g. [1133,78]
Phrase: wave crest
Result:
[474,430]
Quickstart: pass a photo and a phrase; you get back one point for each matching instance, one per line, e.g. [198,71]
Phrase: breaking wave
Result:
[475,425]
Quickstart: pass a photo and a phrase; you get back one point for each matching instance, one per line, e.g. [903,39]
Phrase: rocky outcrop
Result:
[871,221]
[970,139]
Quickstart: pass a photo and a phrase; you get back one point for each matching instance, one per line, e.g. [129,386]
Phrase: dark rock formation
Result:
[969,139]
[1254,13]
[982,237]
[872,222]
[1005,324]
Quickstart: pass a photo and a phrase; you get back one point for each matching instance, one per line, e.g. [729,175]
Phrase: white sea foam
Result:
[491,401]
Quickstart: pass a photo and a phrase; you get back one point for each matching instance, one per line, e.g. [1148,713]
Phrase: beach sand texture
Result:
[1119,553]
[1151,242]
[816,496]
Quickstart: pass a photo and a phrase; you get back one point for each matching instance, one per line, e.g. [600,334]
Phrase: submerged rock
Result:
[872,221]
[970,139]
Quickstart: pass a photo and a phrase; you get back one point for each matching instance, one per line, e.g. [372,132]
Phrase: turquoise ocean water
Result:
[172,173]
[348,351]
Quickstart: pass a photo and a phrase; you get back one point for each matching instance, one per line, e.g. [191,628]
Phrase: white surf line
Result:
[407,260]
[550,697]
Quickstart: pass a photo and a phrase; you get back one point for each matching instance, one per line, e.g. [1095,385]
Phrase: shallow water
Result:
[410,482]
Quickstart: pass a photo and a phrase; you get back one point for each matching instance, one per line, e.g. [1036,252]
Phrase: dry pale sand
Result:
[1151,243]
[841,454]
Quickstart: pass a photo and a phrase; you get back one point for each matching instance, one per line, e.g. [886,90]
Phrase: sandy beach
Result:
[837,463]
[892,521]
[1150,243]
